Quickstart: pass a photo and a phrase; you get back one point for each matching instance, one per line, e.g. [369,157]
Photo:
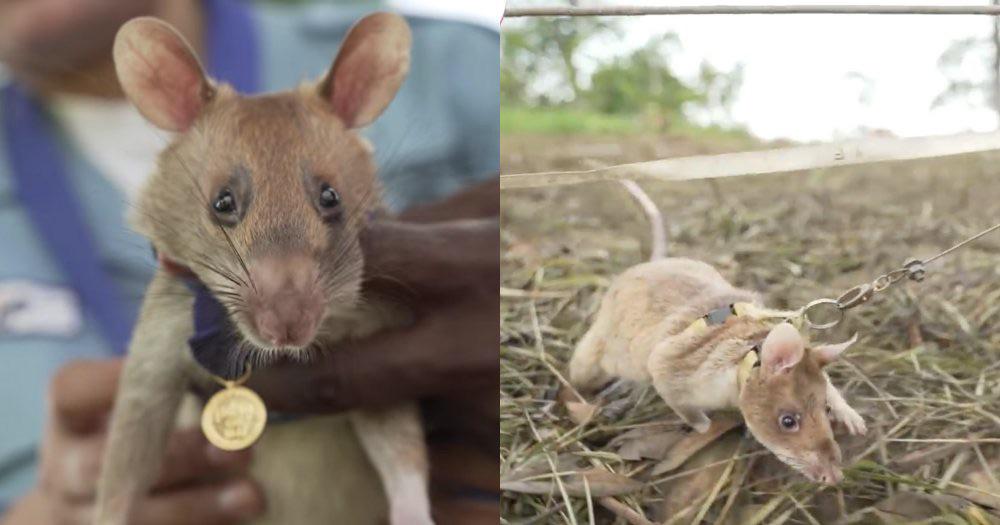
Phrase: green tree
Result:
[960,87]
[977,92]
[642,82]
[547,50]
[517,66]
[718,90]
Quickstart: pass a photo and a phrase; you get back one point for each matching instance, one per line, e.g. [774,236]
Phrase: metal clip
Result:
[855,296]
[915,269]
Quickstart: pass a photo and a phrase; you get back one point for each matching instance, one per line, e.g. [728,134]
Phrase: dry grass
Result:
[925,373]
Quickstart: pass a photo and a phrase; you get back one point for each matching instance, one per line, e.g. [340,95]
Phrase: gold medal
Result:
[234,418]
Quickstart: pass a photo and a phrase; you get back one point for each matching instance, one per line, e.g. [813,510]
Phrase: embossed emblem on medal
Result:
[234,418]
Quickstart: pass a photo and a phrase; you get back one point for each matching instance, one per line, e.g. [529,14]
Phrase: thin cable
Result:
[963,243]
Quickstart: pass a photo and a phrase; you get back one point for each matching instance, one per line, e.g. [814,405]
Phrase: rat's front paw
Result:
[702,426]
[700,423]
[852,420]
[694,418]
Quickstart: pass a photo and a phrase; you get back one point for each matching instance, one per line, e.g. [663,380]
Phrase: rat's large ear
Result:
[369,68]
[783,348]
[160,73]
[826,354]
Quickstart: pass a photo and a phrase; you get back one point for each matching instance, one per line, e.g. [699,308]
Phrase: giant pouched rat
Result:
[707,345]
[264,198]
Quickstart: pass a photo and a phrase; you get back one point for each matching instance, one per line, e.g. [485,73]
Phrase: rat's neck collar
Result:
[214,344]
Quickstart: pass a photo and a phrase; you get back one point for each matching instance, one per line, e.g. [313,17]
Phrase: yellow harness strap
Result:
[717,316]
[699,324]
[746,365]
[720,316]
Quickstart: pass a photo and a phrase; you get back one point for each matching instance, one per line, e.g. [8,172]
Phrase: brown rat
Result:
[678,324]
[263,198]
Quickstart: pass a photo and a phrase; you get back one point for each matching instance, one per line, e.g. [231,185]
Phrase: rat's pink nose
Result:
[287,320]
[830,475]
[287,305]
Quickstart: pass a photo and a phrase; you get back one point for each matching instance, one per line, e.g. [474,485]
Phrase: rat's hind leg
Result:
[393,439]
[585,370]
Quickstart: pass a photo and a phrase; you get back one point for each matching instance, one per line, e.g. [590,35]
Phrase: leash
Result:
[913,269]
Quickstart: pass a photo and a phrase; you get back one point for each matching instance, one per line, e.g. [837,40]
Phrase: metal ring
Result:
[881,283]
[897,275]
[835,303]
[855,296]
[229,383]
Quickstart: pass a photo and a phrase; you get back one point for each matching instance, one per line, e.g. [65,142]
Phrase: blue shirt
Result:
[439,134]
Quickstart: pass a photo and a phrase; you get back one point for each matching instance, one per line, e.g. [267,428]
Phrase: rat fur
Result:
[640,334]
[263,198]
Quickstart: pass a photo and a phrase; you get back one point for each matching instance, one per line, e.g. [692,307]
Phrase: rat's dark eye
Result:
[788,422]
[328,197]
[224,202]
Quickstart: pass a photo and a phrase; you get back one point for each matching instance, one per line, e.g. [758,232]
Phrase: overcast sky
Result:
[799,69]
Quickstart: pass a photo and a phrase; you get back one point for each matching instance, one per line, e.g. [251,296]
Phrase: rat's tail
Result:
[659,232]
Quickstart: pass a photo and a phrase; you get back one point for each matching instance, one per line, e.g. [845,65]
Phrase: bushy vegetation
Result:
[542,69]
[565,121]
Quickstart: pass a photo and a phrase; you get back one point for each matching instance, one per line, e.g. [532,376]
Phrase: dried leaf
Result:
[640,432]
[649,446]
[624,512]
[602,483]
[538,465]
[683,496]
[986,491]
[907,507]
[927,455]
[693,442]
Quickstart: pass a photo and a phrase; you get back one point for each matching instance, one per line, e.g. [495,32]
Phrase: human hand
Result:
[47,35]
[445,258]
[198,483]
[448,358]
[451,271]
